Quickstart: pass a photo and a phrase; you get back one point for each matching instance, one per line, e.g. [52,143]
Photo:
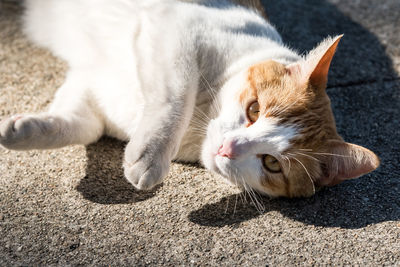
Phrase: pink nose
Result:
[227,149]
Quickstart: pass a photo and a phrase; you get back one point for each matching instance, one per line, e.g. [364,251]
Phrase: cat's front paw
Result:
[146,172]
[15,131]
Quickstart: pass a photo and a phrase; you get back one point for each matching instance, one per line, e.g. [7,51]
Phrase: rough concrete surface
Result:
[72,206]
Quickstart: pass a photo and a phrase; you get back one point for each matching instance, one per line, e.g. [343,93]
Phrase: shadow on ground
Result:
[341,206]
[104,182]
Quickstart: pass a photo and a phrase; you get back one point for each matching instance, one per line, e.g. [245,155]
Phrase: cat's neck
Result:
[228,50]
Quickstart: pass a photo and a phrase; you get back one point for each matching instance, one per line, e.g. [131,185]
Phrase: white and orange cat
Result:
[205,80]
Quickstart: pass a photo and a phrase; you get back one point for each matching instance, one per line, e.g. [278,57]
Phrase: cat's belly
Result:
[119,102]
[122,118]
[122,121]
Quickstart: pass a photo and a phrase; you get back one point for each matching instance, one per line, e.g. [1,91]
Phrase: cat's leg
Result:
[156,142]
[70,120]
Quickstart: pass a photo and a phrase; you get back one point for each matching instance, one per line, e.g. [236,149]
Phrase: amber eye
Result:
[253,111]
[271,163]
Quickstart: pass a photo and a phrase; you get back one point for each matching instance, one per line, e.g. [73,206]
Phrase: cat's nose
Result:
[227,149]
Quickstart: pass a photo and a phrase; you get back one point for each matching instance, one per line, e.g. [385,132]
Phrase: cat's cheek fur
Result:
[244,172]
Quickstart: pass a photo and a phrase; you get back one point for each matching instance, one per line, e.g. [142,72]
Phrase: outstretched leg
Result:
[70,120]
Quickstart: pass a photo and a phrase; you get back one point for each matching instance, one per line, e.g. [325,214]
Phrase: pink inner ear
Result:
[297,72]
[293,69]
[347,161]
[314,68]
[319,76]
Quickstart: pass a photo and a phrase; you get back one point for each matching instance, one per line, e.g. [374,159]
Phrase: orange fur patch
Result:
[279,96]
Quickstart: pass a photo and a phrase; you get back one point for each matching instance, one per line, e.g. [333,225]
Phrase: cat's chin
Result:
[221,167]
[221,164]
[210,163]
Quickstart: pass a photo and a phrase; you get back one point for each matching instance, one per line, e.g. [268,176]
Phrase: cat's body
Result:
[135,51]
[154,72]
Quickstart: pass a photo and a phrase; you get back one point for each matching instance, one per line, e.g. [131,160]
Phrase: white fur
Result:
[265,136]
[139,70]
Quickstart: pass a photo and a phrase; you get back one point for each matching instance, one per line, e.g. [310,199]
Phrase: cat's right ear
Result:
[314,68]
[343,161]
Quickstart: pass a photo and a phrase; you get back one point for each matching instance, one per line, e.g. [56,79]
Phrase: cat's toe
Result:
[144,174]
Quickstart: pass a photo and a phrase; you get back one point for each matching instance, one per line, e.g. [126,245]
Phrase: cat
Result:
[207,81]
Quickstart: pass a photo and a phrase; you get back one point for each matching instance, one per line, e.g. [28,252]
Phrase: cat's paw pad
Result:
[146,173]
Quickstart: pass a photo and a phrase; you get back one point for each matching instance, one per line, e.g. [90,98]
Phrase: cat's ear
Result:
[343,161]
[314,68]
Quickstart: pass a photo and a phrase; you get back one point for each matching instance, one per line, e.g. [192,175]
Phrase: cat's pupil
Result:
[253,111]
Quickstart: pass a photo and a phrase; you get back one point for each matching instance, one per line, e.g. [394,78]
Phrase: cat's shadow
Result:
[340,206]
[104,182]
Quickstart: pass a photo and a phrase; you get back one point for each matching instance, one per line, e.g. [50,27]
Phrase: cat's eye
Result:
[271,163]
[253,111]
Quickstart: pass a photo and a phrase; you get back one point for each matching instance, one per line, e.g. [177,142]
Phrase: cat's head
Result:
[275,132]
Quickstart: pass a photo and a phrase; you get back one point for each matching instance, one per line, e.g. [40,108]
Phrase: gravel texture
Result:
[72,206]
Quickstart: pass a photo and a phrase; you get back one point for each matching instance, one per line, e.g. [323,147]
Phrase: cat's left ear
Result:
[315,67]
[343,161]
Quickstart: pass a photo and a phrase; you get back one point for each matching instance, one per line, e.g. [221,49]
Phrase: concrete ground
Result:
[72,206]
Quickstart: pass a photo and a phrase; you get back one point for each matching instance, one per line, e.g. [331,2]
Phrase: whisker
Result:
[236,183]
[284,108]
[330,154]
[308,156]
[199,120]
[253,197]
[215,105]
[227,205]
[309,176]
[245,193]
[212,91]
[288,160]
[199,130]
[246,189]
[260,206]
[198,126]
[322,153]
[204,115]
[234,208]
[309,150]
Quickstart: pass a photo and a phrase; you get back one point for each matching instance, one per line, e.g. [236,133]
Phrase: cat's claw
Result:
[146,173]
